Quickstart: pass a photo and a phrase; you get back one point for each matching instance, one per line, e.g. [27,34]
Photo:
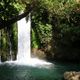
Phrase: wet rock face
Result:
[72,75]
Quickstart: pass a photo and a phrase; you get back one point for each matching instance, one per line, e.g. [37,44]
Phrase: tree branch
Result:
[14,19]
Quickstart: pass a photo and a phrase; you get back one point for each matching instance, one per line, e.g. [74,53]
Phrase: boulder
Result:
[72,75]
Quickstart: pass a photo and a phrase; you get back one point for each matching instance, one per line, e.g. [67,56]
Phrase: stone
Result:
[72,75]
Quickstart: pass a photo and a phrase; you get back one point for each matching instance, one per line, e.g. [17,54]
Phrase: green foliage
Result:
[34,40]
[9,8]
[45,32]
[71,24]
[4,40]
[41,26]
[14,36]
[8,36]
[67,35]
[58,20]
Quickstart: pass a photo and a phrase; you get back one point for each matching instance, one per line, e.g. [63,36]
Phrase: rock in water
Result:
[72,75]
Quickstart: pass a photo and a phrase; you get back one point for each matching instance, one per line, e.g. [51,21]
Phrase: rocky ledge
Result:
[72,75]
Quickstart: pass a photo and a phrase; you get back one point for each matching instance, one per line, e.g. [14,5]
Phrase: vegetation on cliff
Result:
[55,26]
[63,28]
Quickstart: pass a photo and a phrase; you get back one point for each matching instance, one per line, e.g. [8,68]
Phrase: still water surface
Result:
[19,72]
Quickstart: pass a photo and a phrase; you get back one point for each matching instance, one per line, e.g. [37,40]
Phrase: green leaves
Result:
[45,32]
[66,25]
[9,8]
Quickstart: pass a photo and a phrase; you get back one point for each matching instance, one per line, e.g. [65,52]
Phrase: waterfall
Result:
[10,44]
[24,51]
[10,57]
[24,48]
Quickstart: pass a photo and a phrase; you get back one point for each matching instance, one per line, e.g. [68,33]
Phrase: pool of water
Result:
[22,72]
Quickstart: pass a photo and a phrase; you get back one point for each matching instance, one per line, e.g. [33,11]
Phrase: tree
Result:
[10,12]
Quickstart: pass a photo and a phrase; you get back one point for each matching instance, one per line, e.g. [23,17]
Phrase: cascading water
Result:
[24,27]
[10,58]
[24,49]
[24,46]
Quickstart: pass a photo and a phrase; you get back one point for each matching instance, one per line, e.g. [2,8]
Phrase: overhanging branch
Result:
[14,19]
